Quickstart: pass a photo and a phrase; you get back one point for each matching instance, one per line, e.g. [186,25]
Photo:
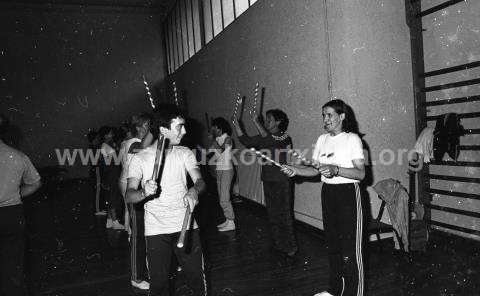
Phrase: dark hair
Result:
[281,116]
[222,124]
[103,131]
[92,135]
[349,124]
[164,114]
[138,121]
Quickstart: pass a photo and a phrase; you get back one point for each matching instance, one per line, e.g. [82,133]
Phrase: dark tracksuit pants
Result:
[138,251]
[159,251]
[12,251]
[278,199]
[342,222]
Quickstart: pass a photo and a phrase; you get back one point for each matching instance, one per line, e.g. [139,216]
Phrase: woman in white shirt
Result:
[223,145]
[338,157]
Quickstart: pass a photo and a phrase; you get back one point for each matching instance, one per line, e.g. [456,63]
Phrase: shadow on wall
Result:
[367,181]
[195,129]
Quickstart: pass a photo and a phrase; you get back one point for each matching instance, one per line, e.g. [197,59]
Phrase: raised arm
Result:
[259,126]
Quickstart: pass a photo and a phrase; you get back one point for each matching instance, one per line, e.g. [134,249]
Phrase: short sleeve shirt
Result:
[164,214]
[223,161]
[126,157]
[16,169]
[338,150]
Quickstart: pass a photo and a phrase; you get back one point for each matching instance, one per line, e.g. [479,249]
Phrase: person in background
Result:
[93,144]
[339,159]
[139,127]
[18,179]
[277,187]
[109,176]
[222,146]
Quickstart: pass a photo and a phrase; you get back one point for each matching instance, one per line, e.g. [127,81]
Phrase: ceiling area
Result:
[157,6]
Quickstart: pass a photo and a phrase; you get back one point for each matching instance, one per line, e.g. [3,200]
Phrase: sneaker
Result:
[222,224]
[229,226]
[324,293]
[100,213]
[142,285]
[117,226]
[109,223]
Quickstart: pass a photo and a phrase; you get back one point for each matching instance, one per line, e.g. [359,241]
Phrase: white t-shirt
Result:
[164,214]
[107,150]
[338,150]
[126,157]
[223,159]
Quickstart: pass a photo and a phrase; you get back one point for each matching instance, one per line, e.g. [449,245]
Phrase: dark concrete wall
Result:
[66,70]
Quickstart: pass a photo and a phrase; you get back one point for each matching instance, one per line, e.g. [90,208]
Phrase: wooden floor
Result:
[71,253]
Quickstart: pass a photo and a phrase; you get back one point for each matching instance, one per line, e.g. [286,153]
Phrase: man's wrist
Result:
[337,171]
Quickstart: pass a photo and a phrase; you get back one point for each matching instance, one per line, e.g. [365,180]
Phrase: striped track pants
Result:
[343,221]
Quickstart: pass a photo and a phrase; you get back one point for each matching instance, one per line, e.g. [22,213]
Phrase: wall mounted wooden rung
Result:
[460,115]
[453,210]
[452,101]
[454,193]
[451,69]
[454,227]
[454,178]
[451,85]
[472,131]
[469,147]
[438,7]
[457,163]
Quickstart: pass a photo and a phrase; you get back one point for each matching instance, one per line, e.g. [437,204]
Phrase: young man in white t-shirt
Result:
[166,204]
[338,157]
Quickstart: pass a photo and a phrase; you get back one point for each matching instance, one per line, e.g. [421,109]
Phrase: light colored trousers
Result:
[224,184]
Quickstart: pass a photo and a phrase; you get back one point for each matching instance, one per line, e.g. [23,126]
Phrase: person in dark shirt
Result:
[278,189]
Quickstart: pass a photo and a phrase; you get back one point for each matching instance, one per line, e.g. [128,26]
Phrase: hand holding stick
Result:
[304,160]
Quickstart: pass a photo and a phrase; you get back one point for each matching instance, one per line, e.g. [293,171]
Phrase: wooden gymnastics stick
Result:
[158,156]
[238,102]
[266,157]
[207,120]
[255,98]
[186,223]
[149,94]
